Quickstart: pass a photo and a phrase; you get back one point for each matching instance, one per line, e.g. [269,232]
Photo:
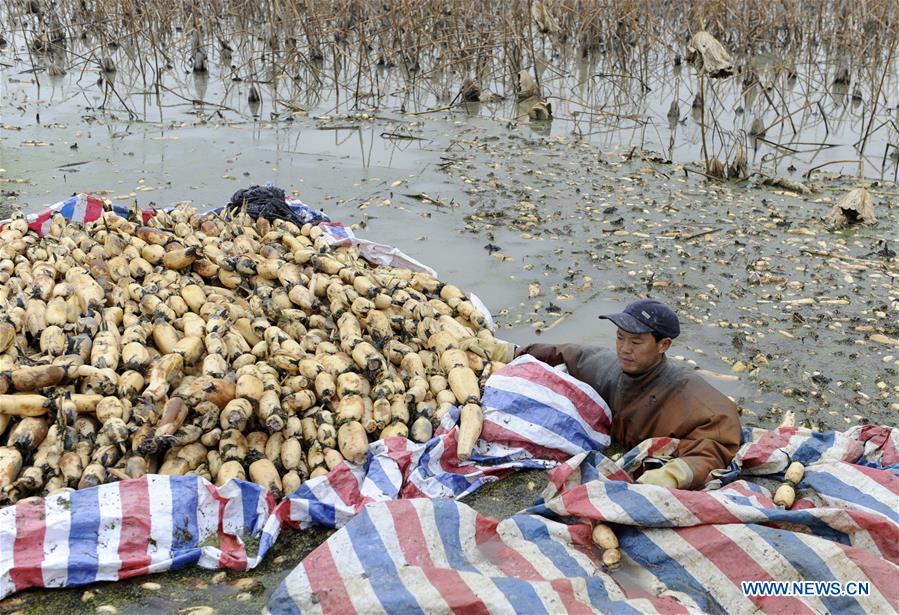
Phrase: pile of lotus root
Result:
[219,347]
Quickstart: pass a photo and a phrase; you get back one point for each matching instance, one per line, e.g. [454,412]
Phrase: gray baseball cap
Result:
[647,316]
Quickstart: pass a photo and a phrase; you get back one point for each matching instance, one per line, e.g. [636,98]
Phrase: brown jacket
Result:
[668,400]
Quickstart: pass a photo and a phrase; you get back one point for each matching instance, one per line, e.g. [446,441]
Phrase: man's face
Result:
[639,352]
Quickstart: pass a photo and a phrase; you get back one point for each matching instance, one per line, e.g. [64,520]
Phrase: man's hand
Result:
[675,474]
[492,350]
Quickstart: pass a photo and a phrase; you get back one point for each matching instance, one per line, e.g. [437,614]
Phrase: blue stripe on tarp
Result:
[740,499]
[68,207]
[185,529]
[631,456]
[808,563]
[827,484]
[281,602]
[539,508]
[376,560]
[536,531]
[374,471]
[548,417]
[733,473]
[649,556]
[756,488]
[589,472]
[520,461]
[249,496]
[811,450]
[746,435]
[641,510]
[446,519]
[320,513]
[265,543]
[83,536]
[456,483]
[817,526]
[520,594]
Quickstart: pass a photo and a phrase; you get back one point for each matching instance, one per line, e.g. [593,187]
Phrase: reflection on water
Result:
[813,122]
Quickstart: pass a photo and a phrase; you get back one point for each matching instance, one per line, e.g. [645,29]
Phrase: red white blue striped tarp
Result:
[683,551]
[88,207]
[79,208]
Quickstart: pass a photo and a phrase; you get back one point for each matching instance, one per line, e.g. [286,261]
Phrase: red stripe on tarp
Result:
[578,504]
[890,454]
[659,444]
[884,479]
[882,438]
[409,491]
[738,566]
[581,533]
[134,537]
[761,498]
[491,545]
[705,507]
[874,433]
[397,450]
[282,512]
[877,570]
[232,553]
[37,224]
[453,588]
[565,591]
[582,541]
[484,529]
[448,583]
[409,533]
[28,549]
[508,560]
[449,460]
[344,484]
[620,475]
[93,208]
[559,475]
[592,413]
[882,532]
[325,581]
[761,451]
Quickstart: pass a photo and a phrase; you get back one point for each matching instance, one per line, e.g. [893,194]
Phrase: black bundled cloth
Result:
[269,202]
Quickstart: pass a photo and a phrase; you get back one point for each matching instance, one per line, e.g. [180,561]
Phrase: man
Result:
[650,396]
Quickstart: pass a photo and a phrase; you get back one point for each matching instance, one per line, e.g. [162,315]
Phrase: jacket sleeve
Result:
[553,354]
[576,358]
[712,443]
[596,366]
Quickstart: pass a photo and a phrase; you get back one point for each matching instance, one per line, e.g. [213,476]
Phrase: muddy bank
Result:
[780,306]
